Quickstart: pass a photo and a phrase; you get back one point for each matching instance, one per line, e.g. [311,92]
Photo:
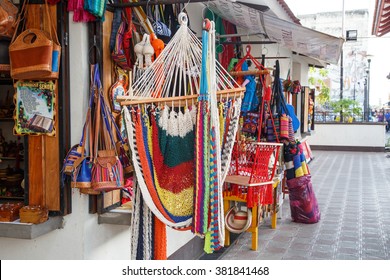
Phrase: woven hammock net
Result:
[165,129]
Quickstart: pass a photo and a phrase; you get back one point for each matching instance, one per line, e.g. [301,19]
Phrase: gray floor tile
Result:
[355,218]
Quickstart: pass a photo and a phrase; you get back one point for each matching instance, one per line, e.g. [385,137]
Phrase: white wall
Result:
[355,135]
[81,236]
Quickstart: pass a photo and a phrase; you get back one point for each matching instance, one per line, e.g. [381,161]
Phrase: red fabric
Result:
[229,51]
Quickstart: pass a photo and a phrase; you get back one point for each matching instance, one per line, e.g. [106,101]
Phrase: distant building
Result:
[355,60]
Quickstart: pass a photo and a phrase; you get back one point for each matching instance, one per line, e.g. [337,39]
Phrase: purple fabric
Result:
[303,202]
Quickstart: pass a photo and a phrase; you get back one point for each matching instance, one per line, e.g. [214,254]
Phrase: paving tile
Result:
[347,250]
[342,256]
[349,238]
[349,244]
[279,244]
[297,246]
[247,255]
[270,256]
[322,256]
[325,241]
[304,240]
[355,219]
[275,250]
[282,238]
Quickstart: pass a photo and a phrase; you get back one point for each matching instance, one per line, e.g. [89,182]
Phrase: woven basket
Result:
[33,214]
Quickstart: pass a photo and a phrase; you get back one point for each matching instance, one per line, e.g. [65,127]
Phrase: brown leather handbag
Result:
[35,53]
[8,12]
[31,55]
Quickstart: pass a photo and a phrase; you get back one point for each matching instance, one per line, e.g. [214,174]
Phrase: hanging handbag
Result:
[118,55]
[77,164]
[35,53]
[31,55]
[83,176]
[8,12]
[107,170]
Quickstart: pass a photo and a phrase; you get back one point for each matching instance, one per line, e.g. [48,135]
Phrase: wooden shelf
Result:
[10,158]
[12,197]
[6,119]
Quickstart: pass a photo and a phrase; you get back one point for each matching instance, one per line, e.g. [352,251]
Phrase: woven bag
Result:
[107,169]
[107,172]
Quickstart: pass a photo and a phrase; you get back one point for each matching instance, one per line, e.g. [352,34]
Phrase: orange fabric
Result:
[160,240]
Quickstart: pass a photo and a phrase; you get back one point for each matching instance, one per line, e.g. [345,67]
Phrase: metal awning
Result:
[290,35]
[381,21]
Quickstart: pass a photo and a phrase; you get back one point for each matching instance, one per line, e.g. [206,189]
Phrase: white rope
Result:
[135,222]
[176,71]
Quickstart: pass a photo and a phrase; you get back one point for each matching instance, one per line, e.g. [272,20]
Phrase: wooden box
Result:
[9,211]
[34,214]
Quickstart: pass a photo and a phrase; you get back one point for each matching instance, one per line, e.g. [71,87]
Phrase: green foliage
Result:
[316,79]
[349,108]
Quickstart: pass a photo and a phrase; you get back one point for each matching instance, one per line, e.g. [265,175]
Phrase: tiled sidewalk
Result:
[353,193]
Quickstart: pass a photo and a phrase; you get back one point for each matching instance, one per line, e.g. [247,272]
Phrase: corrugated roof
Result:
[381,21]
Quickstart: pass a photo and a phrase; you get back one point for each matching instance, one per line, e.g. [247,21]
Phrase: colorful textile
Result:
[295,161]
[250,101]
[79,13]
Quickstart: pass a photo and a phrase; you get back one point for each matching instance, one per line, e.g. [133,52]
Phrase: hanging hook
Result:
[264,50]
[90,51]
[184,7]
[203,11]
[278,51]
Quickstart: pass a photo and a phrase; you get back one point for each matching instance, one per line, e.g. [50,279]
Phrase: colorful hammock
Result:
[163,123]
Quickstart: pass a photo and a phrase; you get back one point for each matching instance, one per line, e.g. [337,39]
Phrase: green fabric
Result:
[176,149]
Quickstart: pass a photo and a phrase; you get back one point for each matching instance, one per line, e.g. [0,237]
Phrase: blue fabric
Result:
[250,101]
[54,61]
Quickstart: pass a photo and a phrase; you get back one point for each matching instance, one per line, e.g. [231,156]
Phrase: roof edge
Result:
[289,12]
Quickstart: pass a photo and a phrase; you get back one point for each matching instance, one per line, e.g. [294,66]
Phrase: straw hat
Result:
[237,220]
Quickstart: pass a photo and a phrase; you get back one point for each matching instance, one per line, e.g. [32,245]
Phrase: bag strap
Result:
[103,136]
[278,90]
[52,27]
[20,18]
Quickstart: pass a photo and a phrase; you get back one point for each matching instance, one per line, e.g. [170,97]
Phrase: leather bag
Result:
[35,54]
[31,55]
[8,13]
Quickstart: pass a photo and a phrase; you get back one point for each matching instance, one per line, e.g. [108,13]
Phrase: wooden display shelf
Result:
[12,197]
[10,158]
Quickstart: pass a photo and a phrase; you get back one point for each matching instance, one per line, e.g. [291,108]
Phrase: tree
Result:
[349,108]
[317,79]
